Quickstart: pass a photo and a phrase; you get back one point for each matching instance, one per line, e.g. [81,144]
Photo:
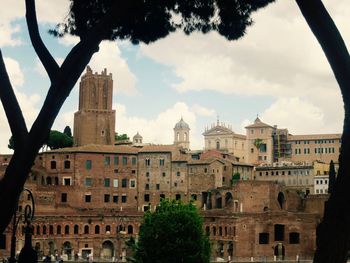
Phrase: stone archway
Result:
[228,198]
[218,200]
[67,249]
[279,251]
[107,251]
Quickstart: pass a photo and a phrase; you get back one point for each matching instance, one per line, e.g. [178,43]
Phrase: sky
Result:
[277,71]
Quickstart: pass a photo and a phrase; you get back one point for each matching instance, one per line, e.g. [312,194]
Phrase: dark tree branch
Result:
[44,55]
[12,109]
[333,233]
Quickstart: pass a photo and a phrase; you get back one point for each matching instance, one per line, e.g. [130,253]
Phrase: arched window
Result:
[56,180]
[130,229]
[218,145]
[59,230]
[185,136]
[44,230]
[53,164]
[97,229]
[76,229]
[86,229]
[214,231]
[38,230]
[108,229]
[51,229]
[66,230]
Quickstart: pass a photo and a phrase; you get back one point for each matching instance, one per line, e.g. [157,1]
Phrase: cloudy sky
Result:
[277,71]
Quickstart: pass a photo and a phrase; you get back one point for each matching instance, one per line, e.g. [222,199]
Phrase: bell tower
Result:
[94,122]
[182,134]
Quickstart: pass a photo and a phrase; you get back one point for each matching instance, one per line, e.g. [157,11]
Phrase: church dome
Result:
[181,125]
[137,136]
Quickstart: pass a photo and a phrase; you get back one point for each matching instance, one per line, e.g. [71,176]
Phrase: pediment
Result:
[218,130]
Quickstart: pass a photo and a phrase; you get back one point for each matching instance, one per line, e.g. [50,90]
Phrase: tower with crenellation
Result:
[94,122]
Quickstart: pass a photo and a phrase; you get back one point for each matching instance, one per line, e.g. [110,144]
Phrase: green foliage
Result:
[173,233]
[235,178]
[67,130]
[153,19]
[59,140]
[258,142]
[331,180]
[121,137]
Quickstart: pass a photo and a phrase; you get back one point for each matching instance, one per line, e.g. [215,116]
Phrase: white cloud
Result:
[159,130]
[202,111]
[109,57]
[297,115]
[28,103]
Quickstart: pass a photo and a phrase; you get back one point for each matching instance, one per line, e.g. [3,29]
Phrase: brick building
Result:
[91,198]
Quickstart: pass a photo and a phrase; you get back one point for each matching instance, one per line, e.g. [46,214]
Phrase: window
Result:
[116,171]
[147,162]
[88,164]
[107,182]
[88,181]
[116,160]
[115,199]
[108,229]
[205,170]
[175,184]
[263,238]
[161,162]
[157,186]
[97,229]
[251,150]
[162,196]
[133,160]
[124,183]
[133,171]
[147,174]
[130,229]
[66,230]
[147,187]
[76,229]
[53,164]
[164,174]
[44,230]
[123,198]
[107,198]
[64,197]
[132,183]
[66,181]
[59,230]
[50,229]
[86,229]
[2,241]
[66,164]
[178,173]
[107,160]
[88,198]
[294,238]
[279,232]
[178,197]
[146,197]
[125,160]
[115,182]
[194,197]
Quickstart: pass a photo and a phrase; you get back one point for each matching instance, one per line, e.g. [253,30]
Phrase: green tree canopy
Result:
[67,130]
[154,19]
[121,137]
[173,233]
[59,140]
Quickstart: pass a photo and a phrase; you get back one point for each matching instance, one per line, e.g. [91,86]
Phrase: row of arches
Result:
[86,229]
[220,231]
[217,200]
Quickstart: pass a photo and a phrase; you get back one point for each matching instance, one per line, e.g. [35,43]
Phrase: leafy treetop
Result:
[173,233]
[148,20]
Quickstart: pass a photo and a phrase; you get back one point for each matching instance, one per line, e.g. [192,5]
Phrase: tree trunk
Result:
[333,233]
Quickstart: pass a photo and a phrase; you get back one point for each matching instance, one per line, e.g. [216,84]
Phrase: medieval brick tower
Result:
[94,122]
